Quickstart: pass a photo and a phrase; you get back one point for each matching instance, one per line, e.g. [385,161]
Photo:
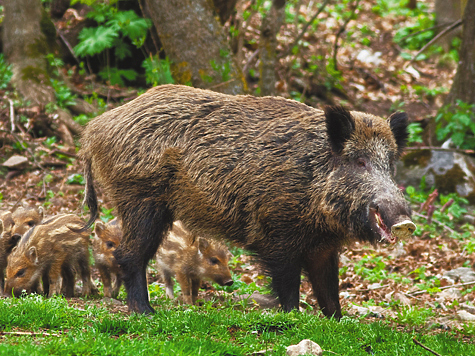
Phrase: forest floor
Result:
[407,282]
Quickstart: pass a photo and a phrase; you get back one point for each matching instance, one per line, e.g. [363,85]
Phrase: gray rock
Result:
[304,347]
[465,315]
[462,274]
[16,162]
[448,171]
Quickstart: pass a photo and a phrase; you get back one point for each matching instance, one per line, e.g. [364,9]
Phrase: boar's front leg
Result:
[144,227]
[322,268]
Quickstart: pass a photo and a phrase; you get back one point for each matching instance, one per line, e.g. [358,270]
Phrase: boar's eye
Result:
[30,223]
[109,244]
[213,260]
[20,273]
[361,162]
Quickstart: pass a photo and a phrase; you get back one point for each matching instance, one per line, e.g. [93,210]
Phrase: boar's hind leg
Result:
[144,227]
[286,283]
[322,268]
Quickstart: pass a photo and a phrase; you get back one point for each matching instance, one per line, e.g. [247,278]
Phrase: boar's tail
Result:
[90,197]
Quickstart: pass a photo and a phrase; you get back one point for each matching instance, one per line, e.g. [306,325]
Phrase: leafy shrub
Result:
[415,132]
[457,122]
[157,71]
[5,72]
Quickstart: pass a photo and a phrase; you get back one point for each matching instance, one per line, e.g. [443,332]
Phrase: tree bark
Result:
[447,12]
[270,27]
[463,87]
[195,42]
[25,47]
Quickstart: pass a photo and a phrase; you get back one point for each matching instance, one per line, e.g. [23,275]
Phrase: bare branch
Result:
[441,34]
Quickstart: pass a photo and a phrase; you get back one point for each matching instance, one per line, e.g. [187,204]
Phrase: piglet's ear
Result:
[340,126]
[32,255]
[398,123]
[203,244]
[99,228]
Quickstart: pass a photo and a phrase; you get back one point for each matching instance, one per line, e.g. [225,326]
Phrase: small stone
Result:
[462,274]
[360,310]
[450,294]
[465,315]
[402,299]
[16,162]
[304,347]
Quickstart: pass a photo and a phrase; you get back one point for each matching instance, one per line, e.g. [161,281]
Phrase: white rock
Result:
[360,310]
[450,294]
[16,162]
[464,274]
[465,315]
[368,57]
[304,347]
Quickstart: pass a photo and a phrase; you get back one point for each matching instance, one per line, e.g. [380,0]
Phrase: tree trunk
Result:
[270,26]
[195,42]
[463,87]
[25,47]
[447,12]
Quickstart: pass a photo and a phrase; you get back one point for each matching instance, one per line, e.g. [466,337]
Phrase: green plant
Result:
[458,123]
[76,179]
[157,71]
[428,93]
[114,28]
[5,72]
[106,214]
[415,132]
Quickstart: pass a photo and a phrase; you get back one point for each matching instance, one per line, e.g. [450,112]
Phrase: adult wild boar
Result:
[285,180]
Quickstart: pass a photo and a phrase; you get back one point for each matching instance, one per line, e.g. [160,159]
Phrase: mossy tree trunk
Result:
[270,26]
[25,47]
[195,42]
[463,87]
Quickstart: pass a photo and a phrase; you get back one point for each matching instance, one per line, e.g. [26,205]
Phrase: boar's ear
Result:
[99,228]
[202,244]
[340,126]
[32,255]
[398,123]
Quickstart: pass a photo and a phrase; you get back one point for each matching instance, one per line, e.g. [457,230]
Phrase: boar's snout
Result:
[228,283]
[390,219]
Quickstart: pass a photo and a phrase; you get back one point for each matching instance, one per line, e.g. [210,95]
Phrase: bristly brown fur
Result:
[287,181]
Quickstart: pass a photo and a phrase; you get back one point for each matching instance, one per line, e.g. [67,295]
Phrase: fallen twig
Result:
[12,115]
[436,221]
[429,148]
[21,333]
[441,34]
[425,347]
[441,288]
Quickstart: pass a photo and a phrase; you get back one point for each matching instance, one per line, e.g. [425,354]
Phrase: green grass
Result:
[207,330]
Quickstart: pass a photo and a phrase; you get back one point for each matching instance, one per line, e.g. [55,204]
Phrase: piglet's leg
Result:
[195,286]
[322,268]
[55,278]
[186,287]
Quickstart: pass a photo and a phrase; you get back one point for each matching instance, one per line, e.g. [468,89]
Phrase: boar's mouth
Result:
[380,227]
[403,228]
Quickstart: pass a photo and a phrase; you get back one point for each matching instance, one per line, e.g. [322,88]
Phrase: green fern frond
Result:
[95,40]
